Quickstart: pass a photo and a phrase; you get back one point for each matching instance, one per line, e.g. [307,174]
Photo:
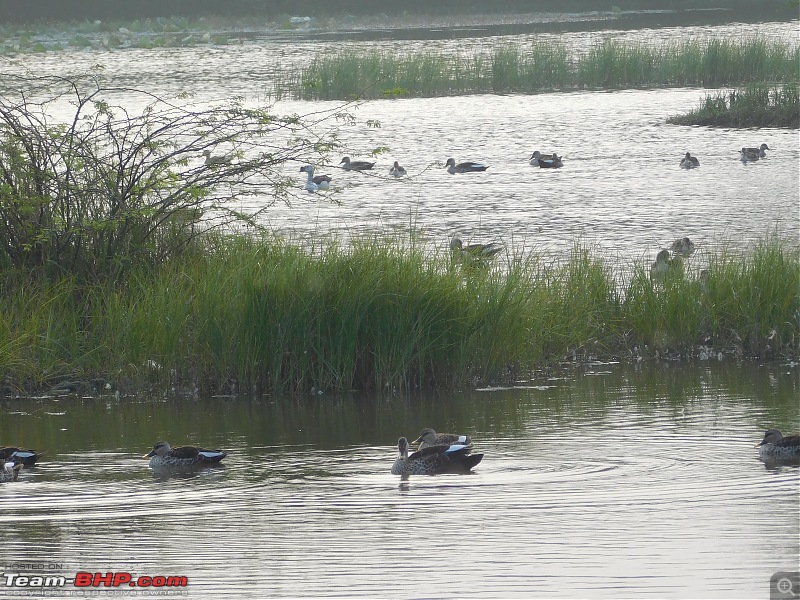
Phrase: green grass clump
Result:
[538,67]
[746,304]
[384,314]
[753,106]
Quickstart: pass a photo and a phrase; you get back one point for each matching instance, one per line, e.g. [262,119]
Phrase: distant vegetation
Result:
[62,10]
[753,106]
[544,67]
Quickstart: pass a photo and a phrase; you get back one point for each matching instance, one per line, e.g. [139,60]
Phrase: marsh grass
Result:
[538,67]
[385,314]
[753,106]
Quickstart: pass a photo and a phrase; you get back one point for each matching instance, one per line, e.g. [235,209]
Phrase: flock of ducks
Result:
[322,182]
[745,155]
[681,248]
[315,183]
[443,452]
[538,159]
[437,453]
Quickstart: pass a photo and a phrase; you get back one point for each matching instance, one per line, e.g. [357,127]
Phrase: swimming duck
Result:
[356,165]
[474,251]
[747,155]
[318,182]
[428,437]
[163,455]
[464,167]
[215,160]
[554,162]
[775,445]
[397,170]
[538,155]
[689,162]
[683,247]
[434,460]
[759,150]
[25,457]
[10,471]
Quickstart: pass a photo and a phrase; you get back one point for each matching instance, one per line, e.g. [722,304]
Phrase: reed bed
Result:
[753,106]
[385,314]
[539,67]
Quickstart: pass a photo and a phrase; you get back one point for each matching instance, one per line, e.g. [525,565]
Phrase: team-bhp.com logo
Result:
[87,580]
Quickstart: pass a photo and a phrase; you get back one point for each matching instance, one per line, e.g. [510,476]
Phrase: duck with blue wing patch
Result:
[434,460]
[25,457]
[464,167]
[163,455]
[428,437]
[554,162]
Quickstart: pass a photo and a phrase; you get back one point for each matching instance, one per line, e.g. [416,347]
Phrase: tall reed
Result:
[537,67]
[752,106]
[382,313]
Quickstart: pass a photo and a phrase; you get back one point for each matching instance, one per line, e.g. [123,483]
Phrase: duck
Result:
[554,162]
[10,471]
[759,150]
[163,455]
[747,155]
[24,457]
[661,265]
[433,460]
[683,247]
[538,155]
[356,165]
[474,251]
[215,160]
[314,183]
[464,167]
[689,162]
[397,170]
[428,437]
[776,445]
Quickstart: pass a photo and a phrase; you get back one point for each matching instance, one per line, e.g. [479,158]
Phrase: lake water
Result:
[621,188]
[597,481]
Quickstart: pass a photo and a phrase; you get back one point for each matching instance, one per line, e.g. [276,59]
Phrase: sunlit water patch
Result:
[620,187]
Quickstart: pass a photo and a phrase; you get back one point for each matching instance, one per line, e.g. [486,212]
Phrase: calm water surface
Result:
[601,482]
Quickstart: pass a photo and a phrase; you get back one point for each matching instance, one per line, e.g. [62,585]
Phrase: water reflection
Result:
[590,466]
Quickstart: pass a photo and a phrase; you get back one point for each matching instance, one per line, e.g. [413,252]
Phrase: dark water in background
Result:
[603,481]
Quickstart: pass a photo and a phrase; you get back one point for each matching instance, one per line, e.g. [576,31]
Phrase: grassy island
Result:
[542,67]
[239,313]
[753,106]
